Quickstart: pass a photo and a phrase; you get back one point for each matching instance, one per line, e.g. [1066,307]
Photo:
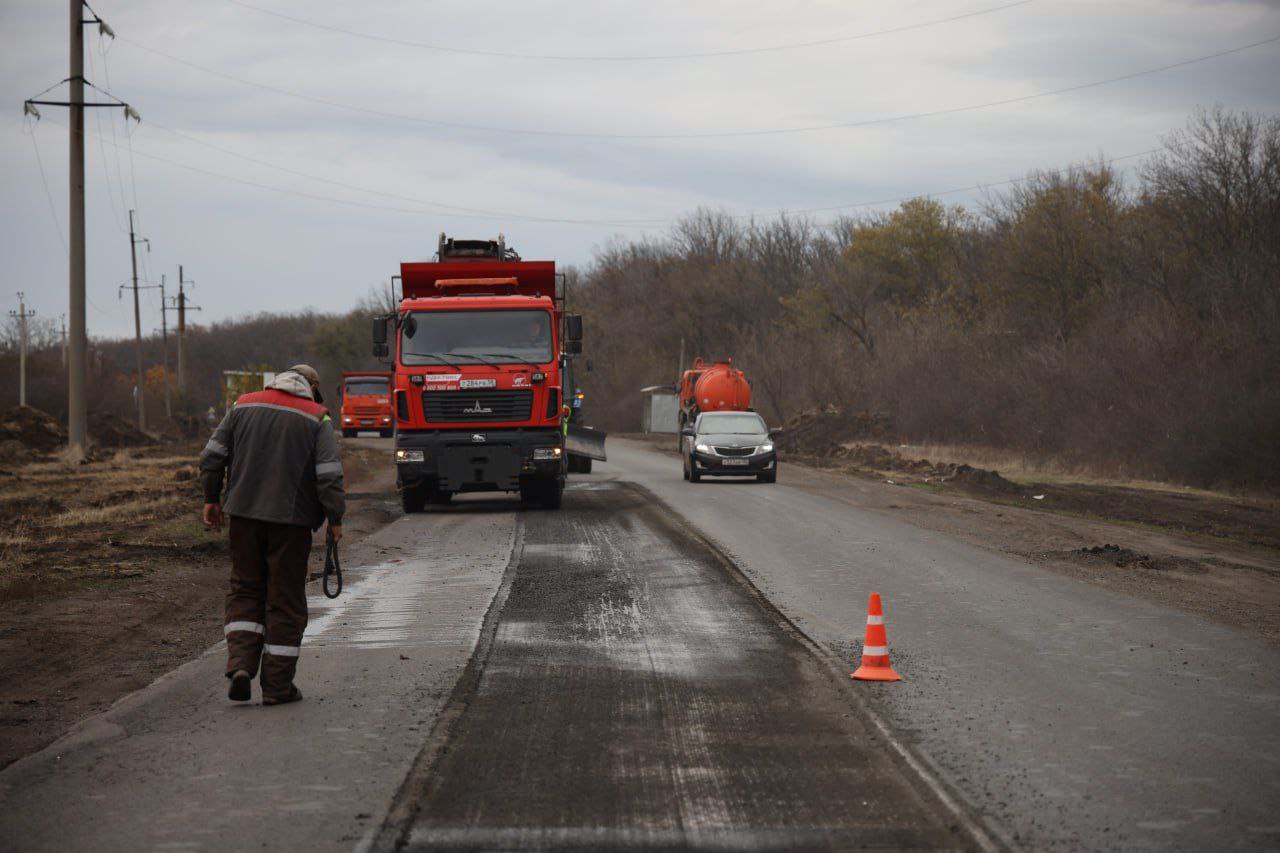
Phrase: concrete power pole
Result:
[22,314]
[77,418]
[182,329]
[137,326]
[77,410]
[164,348]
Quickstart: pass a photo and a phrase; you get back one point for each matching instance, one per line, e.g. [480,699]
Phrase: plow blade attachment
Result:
[584,441]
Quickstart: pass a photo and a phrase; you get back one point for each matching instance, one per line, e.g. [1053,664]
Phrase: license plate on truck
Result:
[734,461]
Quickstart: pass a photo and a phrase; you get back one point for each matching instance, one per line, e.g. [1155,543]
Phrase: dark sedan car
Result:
[737,444]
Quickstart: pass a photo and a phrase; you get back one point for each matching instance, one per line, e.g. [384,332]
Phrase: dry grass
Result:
[64,525]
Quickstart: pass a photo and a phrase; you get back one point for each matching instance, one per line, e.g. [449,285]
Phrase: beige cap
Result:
[309,373]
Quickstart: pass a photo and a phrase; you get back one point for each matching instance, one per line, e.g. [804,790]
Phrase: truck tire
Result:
[386,433]
[441,497]
[574,464]
[552,495]
[584,464]
[349,433]
[413,498]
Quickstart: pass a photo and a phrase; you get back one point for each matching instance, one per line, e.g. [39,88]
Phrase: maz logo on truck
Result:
[477,409]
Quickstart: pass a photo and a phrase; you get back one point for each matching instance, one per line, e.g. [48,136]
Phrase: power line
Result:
[53,212]
[622,57]
[702,134]
[645,224]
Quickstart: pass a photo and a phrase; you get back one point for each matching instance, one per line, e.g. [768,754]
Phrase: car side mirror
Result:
[687,431]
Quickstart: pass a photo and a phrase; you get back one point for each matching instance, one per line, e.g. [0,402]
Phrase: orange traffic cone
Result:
[875,648]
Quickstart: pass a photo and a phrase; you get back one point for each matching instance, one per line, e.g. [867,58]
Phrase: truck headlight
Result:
[767,447]
[547,452]
[702,448]
[410,456]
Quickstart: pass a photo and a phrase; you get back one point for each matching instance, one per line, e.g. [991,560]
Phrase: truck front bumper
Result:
[478,461]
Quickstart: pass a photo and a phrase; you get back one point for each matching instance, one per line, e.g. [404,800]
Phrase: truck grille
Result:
[477,406]
[735,451]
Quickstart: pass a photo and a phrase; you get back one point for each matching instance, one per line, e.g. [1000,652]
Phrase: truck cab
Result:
[478,384]
[366,402]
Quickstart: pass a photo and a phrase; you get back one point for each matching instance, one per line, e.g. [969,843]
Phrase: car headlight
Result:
[547,452]
[765,448]
[410,456]
[702,448]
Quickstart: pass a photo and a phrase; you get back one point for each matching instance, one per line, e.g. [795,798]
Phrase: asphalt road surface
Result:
[664,664]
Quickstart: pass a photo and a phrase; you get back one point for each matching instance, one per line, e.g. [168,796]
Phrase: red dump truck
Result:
[366,402]
[716,387]
[481,343]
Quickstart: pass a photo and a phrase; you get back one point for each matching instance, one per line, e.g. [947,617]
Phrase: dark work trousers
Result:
[267,603]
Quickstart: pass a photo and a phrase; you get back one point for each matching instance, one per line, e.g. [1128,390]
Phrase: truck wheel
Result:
[386,433]
[413,498]
[441,497]
[573,464]
[768,476]
[552,495]
[348,433]
[584,465]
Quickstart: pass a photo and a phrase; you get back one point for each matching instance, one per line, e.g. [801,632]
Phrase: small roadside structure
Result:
[661,411]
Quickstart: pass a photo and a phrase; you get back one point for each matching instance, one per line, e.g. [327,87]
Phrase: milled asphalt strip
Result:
[394,829]
[949,796]
[635,695]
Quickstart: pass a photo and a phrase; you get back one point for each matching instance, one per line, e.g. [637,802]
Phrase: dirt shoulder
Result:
[108,579]
[1214,555]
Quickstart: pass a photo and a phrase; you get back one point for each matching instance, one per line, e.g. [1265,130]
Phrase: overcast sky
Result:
[344,194]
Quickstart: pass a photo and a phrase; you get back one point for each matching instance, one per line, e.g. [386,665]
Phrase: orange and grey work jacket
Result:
[278,455]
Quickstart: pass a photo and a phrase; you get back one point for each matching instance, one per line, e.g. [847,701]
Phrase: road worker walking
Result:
[275,450]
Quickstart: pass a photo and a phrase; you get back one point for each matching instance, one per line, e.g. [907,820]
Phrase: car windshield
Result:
[732,423]
[366,386]
[453,337]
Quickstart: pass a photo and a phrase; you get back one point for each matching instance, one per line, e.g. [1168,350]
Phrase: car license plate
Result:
[734,461]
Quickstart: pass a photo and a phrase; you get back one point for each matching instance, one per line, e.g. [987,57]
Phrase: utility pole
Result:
[77,417]
[183,308]
[137,324]
[22,314]
[164,348]
[77,410]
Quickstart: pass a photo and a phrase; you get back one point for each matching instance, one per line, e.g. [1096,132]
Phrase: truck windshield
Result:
[365,386]
[731,423]
[481,336]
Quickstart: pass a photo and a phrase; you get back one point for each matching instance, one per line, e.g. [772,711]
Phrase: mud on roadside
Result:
[108,579]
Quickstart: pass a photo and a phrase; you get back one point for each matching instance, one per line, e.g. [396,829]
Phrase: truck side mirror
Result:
[775,432]
[379,331]
[572,347]
[380,351]
[573,328]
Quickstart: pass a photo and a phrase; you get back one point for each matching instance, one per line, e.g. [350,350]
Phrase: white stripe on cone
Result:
[875,620]
[871,651]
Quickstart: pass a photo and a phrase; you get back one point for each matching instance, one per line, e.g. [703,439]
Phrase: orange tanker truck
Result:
[715,387]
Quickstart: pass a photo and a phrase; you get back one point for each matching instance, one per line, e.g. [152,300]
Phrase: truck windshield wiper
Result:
[440,359]
[515,359]
[476,357]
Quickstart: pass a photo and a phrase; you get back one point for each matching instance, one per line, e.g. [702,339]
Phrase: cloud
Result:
[255,249]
